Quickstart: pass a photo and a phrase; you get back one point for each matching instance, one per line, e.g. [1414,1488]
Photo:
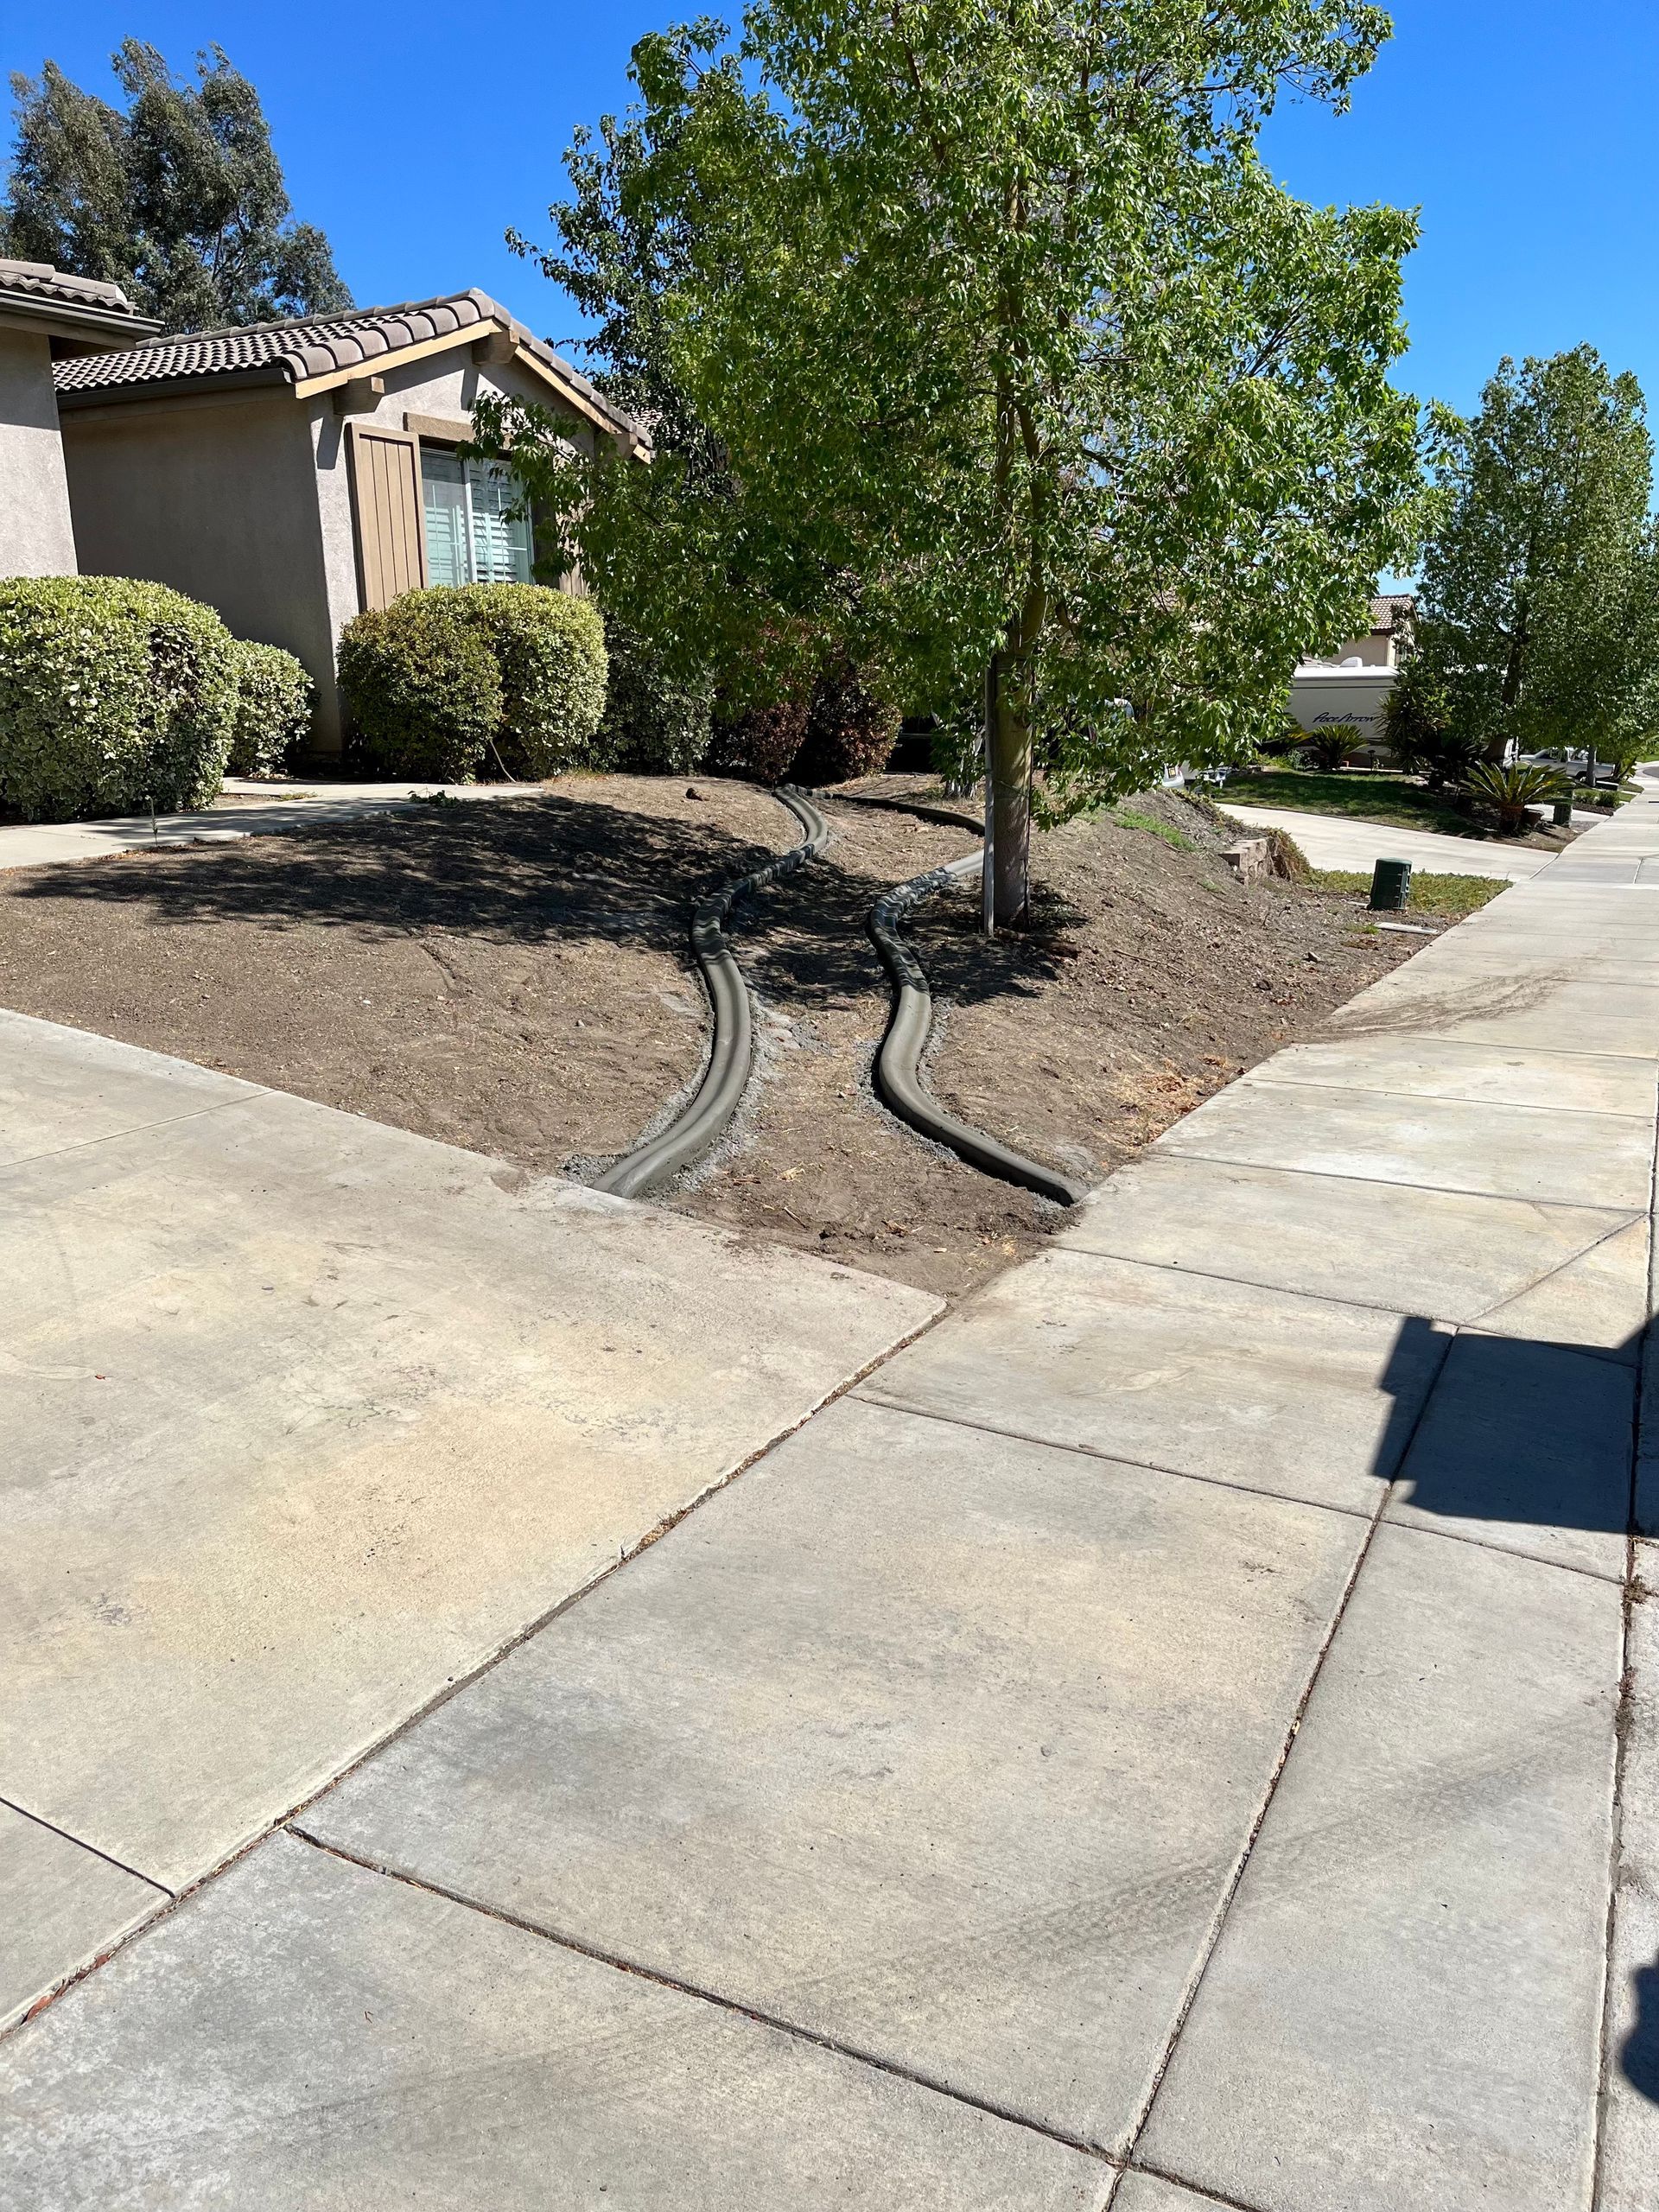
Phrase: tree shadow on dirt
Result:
[536,869]
[520,870]
[808,939]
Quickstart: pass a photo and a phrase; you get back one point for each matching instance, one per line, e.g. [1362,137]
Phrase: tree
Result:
[978,346]
[179,198]
[1538,613]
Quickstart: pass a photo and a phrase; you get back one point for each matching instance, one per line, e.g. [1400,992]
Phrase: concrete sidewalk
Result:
[1155,1742]
[245,810]
[1337,842]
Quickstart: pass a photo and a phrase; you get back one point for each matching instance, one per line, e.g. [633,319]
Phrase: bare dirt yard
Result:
[513,976]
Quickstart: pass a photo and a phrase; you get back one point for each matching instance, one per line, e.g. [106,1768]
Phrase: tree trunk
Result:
[1007,767]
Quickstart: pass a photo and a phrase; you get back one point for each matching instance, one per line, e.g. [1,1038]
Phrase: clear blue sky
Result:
[414,134]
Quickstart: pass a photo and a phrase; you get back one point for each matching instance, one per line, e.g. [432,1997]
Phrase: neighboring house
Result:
[1352,685]
[45,316]
[293,473]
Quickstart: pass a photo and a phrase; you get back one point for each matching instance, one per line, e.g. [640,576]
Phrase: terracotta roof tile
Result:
[316,345]
[38,280]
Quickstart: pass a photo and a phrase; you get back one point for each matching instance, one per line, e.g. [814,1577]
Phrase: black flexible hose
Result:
[898,1063]
[731,1052]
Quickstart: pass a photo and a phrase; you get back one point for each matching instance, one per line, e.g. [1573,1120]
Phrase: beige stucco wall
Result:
[214,496]
[1375,650]
[447,385]
[244,500]
[36,537]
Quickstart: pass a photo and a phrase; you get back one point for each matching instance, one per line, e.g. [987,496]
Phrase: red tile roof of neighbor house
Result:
[316,345]
[1394,611]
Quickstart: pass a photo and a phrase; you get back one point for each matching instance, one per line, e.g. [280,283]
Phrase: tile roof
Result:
[316,345]
[1394,611]
[38,280]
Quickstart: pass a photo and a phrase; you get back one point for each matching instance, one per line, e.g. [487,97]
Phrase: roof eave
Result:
[91,329]
[268,374]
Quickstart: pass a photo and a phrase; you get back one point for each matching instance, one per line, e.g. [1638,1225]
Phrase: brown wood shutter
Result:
[385,466]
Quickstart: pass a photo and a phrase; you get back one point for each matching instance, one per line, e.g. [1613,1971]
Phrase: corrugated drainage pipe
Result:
[731,1051]
[898,1062]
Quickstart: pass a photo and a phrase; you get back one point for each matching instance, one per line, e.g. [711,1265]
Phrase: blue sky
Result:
[414,134]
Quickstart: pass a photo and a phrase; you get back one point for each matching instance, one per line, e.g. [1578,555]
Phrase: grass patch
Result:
[1451,897]
[1362,795]
[1127,818]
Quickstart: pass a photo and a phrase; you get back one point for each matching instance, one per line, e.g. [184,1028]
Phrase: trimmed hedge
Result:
[443,678]
[113,693]
[849,732]
[550,653]
[273,709]
[421,684]
[654,724]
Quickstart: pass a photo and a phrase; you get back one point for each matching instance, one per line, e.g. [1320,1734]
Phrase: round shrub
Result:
[849,732]
[655,724]
[762,742]
[273,709]
[113,693]
[421,687]
[550,653]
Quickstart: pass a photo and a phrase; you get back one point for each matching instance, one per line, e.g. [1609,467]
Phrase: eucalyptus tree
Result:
[1538,617]
[178,197]
[977,343]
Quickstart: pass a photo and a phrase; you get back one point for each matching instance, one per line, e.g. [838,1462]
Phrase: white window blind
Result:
[473,535]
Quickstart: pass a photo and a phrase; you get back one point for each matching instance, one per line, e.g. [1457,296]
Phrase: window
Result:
[473,535]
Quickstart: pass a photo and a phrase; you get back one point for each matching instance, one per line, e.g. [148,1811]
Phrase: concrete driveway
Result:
[1184,1732]
[1333,840]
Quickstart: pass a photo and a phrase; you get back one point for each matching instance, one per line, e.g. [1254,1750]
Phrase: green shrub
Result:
[113,692]
[273,709]
[760,742]
[421,687]
[655,723]
[550,653]
[502,676]
[1513,791]
[1329,747]
[850,731]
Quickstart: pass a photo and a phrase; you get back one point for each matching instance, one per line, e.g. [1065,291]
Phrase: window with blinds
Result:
[473,534]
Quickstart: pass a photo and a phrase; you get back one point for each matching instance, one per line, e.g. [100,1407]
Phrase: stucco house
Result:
[46,316]
[293,473]
[1352,683]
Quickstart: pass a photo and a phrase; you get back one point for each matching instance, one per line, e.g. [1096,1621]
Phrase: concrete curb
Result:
[897,1063]
[731,1053]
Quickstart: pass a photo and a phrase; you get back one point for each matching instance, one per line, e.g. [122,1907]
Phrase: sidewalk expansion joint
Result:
[1168,1151]
[681,1988]
[1255,1081]
[172,1899]
[1498,1044]
[1621,1219]
[81,1843]
[1527,1289]
[1252,1489]
[254,1091]
[1622,1721]
[1224,1902]
[1196,2189]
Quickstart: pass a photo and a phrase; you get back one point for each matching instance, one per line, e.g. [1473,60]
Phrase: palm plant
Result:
[1512,790]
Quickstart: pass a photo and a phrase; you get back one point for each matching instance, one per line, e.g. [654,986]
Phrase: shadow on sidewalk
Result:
[1523,1432]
